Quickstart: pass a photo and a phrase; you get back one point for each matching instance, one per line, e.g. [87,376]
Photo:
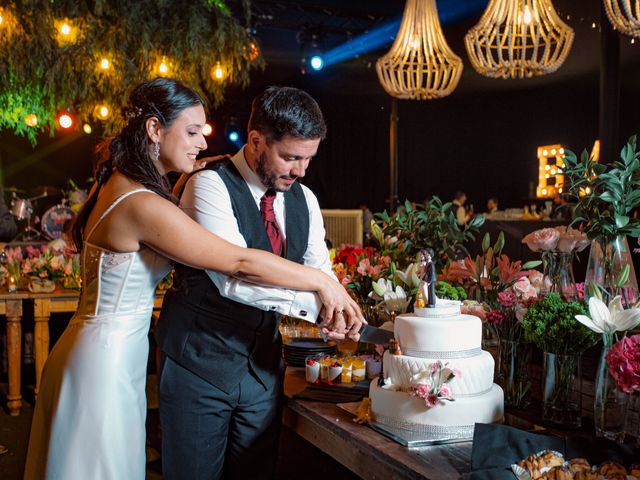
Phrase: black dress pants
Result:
[208,434]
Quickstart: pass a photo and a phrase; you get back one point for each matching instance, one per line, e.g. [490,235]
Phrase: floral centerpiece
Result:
[550,323]
[43,267]
[358,267]
[607,194]
[558,246]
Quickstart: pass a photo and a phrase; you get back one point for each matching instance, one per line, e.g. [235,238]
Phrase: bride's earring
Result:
[156,151]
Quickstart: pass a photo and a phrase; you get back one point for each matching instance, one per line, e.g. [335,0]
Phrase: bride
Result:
[89,419]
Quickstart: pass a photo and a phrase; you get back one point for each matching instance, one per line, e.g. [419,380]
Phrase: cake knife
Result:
[369,334]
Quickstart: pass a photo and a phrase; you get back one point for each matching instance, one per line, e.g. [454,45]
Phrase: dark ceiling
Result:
[279,26]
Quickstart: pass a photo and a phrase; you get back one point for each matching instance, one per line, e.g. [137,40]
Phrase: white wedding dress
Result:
[89,420]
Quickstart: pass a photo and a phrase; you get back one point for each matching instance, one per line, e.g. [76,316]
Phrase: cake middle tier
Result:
[475,373]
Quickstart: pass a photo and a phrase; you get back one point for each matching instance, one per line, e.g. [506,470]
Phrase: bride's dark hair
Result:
[128,152]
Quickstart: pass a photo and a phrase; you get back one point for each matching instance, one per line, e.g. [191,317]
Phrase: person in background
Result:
[492,205]
[458,209]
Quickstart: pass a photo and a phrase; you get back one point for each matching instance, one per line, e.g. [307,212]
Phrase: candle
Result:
[12,286]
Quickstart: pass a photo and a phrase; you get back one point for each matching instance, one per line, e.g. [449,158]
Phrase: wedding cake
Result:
[438,381]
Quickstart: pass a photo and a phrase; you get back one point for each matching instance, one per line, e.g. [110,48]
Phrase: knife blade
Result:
[369,334]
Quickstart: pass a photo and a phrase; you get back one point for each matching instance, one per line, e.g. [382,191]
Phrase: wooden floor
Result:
[296,457]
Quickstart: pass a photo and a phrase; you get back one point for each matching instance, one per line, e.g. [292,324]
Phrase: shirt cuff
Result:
[306,306]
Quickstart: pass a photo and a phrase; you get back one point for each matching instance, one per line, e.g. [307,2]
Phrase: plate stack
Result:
[296,350]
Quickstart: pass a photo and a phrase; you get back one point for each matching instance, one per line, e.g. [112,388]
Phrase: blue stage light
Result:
[234,136]
[316,62]
[449,11]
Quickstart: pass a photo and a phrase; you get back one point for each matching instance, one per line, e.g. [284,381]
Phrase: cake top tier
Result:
[443,308]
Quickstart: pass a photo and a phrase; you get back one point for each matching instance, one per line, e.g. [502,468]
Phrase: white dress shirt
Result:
[206,200]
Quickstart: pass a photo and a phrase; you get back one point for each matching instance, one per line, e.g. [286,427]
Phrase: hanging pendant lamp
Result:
[420,64]
[518,39]
[624,15]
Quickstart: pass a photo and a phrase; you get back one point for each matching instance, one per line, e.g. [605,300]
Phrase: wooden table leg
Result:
[41,314]
[14,347]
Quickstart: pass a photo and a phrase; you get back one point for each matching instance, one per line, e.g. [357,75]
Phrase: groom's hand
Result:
[334,328]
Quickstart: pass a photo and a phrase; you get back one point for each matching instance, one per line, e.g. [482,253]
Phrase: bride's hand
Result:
[340,314]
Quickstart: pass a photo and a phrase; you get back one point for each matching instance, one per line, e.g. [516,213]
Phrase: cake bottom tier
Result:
[401,410]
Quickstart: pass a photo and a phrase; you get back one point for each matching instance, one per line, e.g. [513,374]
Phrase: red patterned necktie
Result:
[270,222]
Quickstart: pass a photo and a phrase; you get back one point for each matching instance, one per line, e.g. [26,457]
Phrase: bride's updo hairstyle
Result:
[128,152]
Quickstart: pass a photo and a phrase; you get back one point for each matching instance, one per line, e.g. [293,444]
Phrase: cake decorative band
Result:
[410,352]
[453,431]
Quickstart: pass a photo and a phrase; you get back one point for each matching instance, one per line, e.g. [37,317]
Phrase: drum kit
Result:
[51,223]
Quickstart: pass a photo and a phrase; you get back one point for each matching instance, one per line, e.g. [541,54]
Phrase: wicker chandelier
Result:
[420,64]
[518,39]
[624,15]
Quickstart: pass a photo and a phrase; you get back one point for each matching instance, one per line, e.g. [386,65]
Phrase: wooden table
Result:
[44,304]
[364,451]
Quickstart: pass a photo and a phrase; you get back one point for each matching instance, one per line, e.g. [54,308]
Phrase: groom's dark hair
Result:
[280,111]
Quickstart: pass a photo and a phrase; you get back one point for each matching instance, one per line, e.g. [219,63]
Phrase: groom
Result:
[221,382]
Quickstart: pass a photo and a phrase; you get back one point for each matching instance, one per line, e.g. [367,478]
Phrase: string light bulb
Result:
[163,68]
[217,72]
[207,130]
[102,112]
[86,128]
[31,120]
[65,121]
[105,64]
[65,29]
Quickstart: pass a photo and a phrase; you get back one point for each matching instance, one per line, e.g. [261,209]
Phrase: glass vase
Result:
[561,391]
[513,372]
[632,420]
[610,403]
[558,275]
[608,261]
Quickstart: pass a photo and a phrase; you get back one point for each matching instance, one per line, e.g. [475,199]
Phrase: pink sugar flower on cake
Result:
[445,391]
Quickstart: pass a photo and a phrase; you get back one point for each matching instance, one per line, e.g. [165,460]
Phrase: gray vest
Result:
[214,337]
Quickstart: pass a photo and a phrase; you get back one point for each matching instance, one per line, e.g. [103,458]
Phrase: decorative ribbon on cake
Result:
[410,352]
[453,431]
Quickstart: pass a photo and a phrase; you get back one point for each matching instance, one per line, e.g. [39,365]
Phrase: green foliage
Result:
[42,76]
[551,325]
[414,227]
[448,291]
[614,192]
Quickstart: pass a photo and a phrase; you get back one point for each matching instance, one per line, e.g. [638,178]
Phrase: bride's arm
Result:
[167,229]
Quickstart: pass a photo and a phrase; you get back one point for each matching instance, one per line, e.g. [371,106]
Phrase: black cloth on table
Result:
[497,447]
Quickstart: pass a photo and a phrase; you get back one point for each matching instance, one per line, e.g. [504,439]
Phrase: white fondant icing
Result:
[476,373]
[402,407]
[442,334]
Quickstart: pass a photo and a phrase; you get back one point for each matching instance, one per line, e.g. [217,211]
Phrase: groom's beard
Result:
[268,178]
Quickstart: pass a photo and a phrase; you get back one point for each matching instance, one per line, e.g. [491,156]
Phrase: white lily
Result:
[380,287]
[396,301]
[409,277]
[608,320]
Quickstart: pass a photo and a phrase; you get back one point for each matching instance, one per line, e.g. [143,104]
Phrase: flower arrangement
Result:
[12,265]
[612,321]
[490,273]
[607,194]
[75,196]
[358,267]
[43,263]
[450,292]
[623,360]
[550,323]
[431,385]
[72,279]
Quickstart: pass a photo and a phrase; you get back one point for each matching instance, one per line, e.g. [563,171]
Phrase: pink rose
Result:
[571,239]
[623,360]
[524,289]
[535,278]
[580,289]
[544,239]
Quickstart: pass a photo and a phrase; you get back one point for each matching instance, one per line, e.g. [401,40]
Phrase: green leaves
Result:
[41,76]
[606,194]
